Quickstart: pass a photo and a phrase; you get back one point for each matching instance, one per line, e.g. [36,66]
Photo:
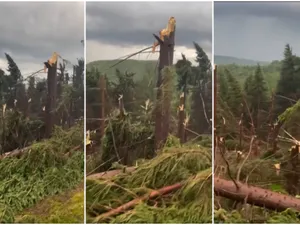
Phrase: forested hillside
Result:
[257,141]
[225,60]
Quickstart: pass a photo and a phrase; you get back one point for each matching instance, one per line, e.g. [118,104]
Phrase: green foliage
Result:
[286,217]
[228,60]
[190,204]
[201,107]
[44,169]
[271,72]
[138,67]
[234,96]
[122,135]
[289,116]
[288,113]
[234,123]
[19,131]
[289,82]
[222,216]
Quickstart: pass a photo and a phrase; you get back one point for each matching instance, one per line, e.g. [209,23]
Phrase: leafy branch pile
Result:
[47,168]
[190,166]
[127,139]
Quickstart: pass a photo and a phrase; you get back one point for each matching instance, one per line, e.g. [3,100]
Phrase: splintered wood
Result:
[52,60]
[165,32]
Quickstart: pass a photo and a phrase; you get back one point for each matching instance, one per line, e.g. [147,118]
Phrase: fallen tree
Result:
[46,168]
[255,195]
[110,173]
[174,187]
[134,202]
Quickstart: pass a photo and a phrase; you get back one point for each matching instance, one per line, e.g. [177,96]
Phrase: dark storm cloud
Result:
[134,23]
[31,32]
[282,10]
[256,30]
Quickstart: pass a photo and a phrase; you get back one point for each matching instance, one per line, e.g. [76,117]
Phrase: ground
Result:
[67,207]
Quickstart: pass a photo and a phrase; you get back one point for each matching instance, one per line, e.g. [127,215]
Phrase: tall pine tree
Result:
[256,95]
[286,86]
[202,95]
[14,78]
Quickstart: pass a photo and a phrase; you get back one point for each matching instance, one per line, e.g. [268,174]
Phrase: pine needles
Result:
[189,204]
[47,168]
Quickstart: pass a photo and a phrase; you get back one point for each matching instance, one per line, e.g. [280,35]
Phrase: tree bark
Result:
[162,111]
[51,99]
[181,115]
[255,195]
[134,202]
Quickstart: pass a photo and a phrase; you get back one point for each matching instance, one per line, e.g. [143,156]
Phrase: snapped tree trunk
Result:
[255,195]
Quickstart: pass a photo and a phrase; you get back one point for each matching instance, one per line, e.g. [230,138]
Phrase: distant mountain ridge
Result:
[225,60]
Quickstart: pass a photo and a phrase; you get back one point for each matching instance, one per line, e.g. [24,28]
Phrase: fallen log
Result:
[14,153]
[109,174]
[255,195]
[134,202]
[18,152]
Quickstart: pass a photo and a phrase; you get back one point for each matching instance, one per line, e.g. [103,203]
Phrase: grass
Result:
[63,208]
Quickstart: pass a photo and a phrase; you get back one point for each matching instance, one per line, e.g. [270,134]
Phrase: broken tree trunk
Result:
[255,195]
[51,99]
[110,173]
[292,174]
[102,84]
[166,54]
[181,115]
[134,202]
[215,107]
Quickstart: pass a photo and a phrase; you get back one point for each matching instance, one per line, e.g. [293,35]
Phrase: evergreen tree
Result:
[286,86]
[13,69]
[234,97]
[3,87]
[256,94]
[202,96]
[203,61]
[222,87]
[33,96]
[124,86]
[14,77]
[41,94]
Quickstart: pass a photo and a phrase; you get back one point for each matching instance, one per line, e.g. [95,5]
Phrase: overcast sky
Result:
[117,29]
[256,30]
[31,32]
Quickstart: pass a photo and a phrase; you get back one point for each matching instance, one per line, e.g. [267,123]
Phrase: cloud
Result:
[256,30]
[116,29]
[31,32]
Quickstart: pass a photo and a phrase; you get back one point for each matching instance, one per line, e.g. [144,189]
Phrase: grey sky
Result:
[256,30]
[31,32]
[118,28]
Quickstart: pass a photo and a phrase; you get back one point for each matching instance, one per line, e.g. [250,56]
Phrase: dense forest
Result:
[124,164]
[257,142]
[41,161]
